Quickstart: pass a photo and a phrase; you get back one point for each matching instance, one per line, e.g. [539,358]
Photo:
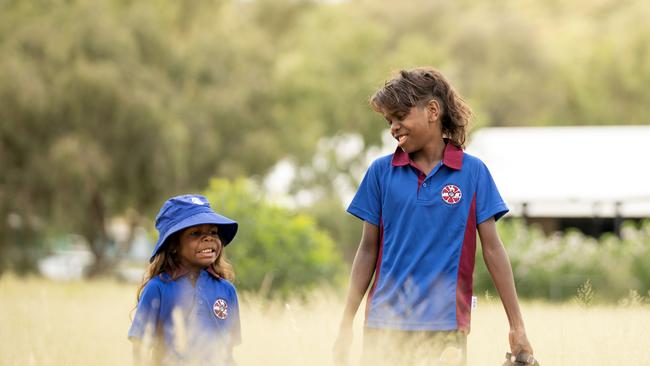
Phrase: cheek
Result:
[186,247]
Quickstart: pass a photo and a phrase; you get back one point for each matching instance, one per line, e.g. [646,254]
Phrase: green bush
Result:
[554,267]
[276,251]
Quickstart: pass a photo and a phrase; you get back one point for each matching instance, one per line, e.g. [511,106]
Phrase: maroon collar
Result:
[182,271]
[452,157]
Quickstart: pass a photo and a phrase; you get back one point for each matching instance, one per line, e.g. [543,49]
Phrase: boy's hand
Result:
[519,342]
[341,349]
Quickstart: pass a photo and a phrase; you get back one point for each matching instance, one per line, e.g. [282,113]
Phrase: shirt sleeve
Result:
[488,200]
[366,203]
[147,312]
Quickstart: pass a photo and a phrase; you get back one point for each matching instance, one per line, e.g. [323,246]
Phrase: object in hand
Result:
[522,359]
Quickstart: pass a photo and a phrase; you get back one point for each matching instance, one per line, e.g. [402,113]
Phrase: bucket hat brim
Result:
[227,228]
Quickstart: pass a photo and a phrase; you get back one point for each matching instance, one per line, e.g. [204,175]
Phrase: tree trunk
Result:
[96,235]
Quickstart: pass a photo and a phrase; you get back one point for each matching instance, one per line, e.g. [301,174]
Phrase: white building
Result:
[587,177]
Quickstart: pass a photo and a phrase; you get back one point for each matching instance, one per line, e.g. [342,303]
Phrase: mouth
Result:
[400,139]
[206,253]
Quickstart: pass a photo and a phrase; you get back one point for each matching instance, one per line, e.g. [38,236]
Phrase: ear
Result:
[433,108]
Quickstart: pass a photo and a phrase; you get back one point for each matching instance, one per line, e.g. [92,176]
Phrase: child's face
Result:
[200,246]
[415,130]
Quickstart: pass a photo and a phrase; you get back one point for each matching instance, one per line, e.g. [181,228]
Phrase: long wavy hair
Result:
[167,261]
[416,87]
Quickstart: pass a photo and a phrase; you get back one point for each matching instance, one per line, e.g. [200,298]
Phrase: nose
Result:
[394,127]
[207,236]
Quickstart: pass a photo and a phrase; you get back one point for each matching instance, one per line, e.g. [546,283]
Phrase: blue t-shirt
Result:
[427,226]
[199,325]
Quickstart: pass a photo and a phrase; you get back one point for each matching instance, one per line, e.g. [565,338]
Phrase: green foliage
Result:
[585,294]
[107,107]
[344,228]
[561,266]
[275,251]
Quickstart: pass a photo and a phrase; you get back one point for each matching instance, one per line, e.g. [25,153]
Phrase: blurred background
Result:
[109,107]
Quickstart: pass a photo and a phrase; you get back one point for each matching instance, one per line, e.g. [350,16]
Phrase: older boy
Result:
[421,208]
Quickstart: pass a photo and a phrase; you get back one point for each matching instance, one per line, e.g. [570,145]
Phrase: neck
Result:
[191,271]
[430,155]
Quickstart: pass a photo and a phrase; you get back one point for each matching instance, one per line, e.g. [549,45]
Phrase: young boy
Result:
[421,208]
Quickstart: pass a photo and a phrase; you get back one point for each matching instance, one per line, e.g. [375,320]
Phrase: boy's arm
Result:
[362,269]
[498,264]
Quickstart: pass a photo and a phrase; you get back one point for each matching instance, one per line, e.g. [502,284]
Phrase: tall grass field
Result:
[85,323]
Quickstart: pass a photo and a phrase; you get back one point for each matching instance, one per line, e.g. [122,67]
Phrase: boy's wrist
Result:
[517,328]
[516,322]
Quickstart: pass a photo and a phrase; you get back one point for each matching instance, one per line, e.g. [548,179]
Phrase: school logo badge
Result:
[220,309]
[451,194]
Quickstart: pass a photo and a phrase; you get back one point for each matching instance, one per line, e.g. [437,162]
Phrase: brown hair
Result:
[416,87]
[167,261]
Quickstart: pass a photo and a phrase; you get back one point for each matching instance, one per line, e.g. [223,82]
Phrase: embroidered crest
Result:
[220,308]
[451,194]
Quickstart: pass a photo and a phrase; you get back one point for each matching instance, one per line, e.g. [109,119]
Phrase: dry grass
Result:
[80,323]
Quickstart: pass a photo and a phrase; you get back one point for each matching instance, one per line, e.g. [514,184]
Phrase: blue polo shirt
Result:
[199,325]
[427,226]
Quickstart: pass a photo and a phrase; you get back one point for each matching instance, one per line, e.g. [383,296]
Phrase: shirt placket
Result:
[424,182]
[197,302]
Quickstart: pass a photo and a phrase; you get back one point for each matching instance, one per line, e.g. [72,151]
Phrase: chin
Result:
[406,149]
[205,263]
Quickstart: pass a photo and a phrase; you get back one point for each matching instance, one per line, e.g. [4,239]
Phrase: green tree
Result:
[108,107]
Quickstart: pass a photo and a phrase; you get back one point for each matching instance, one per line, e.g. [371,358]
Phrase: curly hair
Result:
[418,86]
[167,261]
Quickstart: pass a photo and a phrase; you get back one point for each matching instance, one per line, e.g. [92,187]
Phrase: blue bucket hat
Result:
[181,212]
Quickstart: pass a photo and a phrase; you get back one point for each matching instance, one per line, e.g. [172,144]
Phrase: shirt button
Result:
[424,185]
[200,302]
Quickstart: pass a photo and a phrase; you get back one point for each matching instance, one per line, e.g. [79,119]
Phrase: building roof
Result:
[569,171]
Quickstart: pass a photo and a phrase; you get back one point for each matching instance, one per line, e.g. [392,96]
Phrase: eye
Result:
[195,233]
[214,233]
[400,116]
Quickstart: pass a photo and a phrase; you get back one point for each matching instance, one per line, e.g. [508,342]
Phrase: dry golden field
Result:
[85,323]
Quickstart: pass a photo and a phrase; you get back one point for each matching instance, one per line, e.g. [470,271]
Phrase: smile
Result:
[206,250]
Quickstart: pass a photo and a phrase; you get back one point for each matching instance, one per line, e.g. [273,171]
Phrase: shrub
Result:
[276,251]
[555,266]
